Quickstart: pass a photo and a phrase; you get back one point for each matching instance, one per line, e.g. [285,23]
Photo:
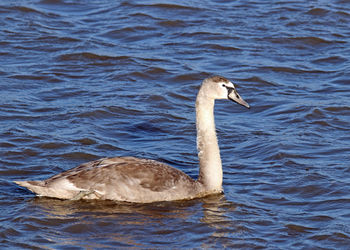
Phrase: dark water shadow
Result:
[181,209]
[129,224]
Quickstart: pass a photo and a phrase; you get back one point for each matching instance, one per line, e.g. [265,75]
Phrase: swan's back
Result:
[120,178]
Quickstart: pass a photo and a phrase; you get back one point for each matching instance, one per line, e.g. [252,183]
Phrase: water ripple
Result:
[85,80]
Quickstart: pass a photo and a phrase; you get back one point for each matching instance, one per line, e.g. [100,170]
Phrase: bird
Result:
[137,180]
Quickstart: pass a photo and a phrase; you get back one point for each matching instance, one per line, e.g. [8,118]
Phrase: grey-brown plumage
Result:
[119,178]
[141,180]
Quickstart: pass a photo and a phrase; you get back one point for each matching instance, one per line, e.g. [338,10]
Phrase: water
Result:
[81,80]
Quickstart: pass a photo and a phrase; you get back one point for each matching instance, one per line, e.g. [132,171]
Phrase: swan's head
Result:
[218,87]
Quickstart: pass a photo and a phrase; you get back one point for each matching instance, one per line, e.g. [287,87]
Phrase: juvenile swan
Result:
[141,180]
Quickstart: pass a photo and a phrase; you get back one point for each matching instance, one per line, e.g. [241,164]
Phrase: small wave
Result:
[55,2]
[96,114]
[345,82]
[305,41]
[172,23]
[260,81]
[292,70]
[30,77]
[163,6]
[25,9]
[312,40]
[7,145]
[51,145]
[22,154]
[79,156]
[123,111]
[180,97]
[339,109]
[59,94]
[42,110]
[317,12]
[85,141]
[315,113]
[36,76]
[151,73]
[89,56]
[58,39]
[330,60]
[173,6]
[219,47]
[343,14]
[204,35]
[297,229]
[190,77]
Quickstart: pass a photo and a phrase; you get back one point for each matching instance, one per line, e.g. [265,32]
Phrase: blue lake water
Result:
[82,80]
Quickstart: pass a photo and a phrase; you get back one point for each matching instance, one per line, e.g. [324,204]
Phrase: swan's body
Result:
[140,180]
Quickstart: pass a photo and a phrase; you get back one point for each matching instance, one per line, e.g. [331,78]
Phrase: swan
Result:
[138,180]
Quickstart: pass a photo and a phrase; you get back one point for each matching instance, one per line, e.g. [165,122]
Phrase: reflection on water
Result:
[209,217]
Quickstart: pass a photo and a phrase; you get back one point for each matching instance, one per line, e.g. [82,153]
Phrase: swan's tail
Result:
[41,188]
[37,187]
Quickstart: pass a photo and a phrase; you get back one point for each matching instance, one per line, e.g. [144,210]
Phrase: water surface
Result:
[81,80]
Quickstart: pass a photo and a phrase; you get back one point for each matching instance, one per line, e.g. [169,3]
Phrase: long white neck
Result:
[210,169]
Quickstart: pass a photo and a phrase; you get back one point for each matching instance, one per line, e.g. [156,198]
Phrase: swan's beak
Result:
[234,96]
